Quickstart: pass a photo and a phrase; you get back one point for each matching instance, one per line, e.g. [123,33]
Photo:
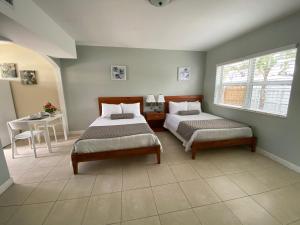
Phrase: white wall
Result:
[26,24]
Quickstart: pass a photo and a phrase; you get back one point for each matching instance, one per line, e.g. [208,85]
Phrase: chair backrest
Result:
[18,125]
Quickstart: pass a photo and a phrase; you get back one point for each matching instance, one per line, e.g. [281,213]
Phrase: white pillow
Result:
[194,106]
[174,107]
[131,108]
[108,109]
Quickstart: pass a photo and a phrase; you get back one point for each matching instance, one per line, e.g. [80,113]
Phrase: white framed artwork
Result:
[28,77]
[184,73]
[118,72]
[8,71]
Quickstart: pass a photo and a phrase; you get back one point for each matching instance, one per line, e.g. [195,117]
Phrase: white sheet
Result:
[134,141]
[172,122]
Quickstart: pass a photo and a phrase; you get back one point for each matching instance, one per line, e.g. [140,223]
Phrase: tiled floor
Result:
[222,186]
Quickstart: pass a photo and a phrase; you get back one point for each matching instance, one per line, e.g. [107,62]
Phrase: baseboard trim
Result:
[6,185]
[74,132]
[280,160]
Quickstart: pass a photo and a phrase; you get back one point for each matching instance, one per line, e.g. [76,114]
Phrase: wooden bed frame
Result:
[84,157]
[200,145]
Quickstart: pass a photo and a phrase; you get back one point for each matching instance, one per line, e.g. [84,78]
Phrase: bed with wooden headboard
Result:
[200,145]
[92,156]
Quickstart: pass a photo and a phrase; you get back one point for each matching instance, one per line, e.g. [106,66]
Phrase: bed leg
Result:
[253,145]
[75,166]
[193,153]
[158,156]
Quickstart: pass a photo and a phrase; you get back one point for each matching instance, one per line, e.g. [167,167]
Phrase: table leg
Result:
[39,136]
[64,127]
[48,140]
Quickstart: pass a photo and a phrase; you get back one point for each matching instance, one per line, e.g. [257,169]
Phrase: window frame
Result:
[250,83]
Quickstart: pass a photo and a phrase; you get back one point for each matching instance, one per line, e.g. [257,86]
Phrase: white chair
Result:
[51,125]
[21,130]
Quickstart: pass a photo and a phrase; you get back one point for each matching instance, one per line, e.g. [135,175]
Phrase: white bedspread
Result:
[172,122]
[134,141]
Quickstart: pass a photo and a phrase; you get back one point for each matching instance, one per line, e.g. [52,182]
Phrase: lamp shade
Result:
[150,99]
[161,99]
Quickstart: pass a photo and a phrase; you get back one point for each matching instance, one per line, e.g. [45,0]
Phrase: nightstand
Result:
[156,120]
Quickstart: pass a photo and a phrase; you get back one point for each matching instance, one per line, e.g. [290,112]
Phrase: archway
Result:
[60,89]
[42,59]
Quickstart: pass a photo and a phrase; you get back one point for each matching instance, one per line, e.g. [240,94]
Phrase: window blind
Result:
[262,83]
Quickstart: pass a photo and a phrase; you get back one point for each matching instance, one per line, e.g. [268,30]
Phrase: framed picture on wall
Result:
[184,73]
[118,72]
[8,71]
[28,77]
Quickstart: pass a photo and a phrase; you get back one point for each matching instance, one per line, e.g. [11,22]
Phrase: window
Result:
[261,84]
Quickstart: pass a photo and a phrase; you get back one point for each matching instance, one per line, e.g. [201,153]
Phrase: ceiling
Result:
[181,25]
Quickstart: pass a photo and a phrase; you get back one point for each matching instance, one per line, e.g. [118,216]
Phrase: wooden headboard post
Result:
[118,100]
[188,98]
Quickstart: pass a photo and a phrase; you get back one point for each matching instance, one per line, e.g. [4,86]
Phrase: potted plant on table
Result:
[49,108]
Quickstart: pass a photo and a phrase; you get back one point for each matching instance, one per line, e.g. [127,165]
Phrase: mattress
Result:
[117,143]
[172,122]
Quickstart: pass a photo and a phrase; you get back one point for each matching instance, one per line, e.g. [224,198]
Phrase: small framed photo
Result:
[118,72]
[184,73]
[8,71]
[28,77]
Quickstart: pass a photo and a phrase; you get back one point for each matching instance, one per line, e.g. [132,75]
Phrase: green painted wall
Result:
[148,72]
[155,71]
[4,174]
[280,136]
